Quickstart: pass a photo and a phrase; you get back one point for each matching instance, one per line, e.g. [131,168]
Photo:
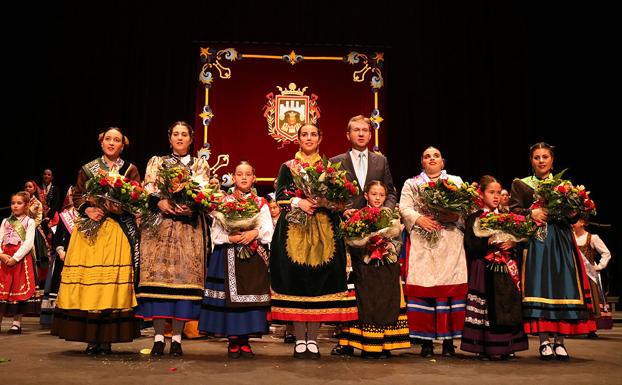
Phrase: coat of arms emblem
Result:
[287,112]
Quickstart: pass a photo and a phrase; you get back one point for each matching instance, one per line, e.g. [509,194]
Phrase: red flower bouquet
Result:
[108,189]
[178,185]
[504,227]
[375,230]
[562,199]
[236,213]
[446,196]
[325,183]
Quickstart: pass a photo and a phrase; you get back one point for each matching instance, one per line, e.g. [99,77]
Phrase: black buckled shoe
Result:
[546,354]
[158,349]
[105,349]
[289,338]
[342,350]
[449,350]
[564,353]
[300,354]
[427,349]
[14,330]
[175,349]
[313,355]
[92,349]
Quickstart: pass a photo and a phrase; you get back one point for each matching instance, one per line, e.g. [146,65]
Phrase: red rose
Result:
[319,168]
[589,204]
[103,182]
[305,164]
[561,189]
[127,179]
[134,196]
[330,170]
[432,184]
[582,194]
[118,183]
[132,182]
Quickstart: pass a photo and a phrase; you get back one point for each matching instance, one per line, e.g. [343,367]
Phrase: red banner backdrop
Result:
[251,100]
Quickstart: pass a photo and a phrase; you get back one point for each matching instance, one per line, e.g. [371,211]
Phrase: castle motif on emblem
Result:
[287,112]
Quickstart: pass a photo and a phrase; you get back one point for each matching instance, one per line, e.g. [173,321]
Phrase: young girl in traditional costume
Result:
[17,276]
[383,324]
[237,287]
[493,325]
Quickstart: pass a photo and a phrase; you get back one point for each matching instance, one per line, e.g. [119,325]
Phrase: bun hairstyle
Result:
[319,130]
[181,123]
[485,181]
[541,145]
[373,183]
[24,195]
[124,140]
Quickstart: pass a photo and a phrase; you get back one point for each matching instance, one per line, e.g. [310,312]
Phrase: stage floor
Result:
[36,357]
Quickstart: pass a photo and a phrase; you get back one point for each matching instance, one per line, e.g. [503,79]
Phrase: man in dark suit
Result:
[363,165]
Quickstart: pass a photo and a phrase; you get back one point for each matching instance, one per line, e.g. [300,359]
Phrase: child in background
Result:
[17,278]
[591,245]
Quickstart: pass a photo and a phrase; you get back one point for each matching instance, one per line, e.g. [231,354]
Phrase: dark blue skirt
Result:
[552,277]
[218,319]
[183,309]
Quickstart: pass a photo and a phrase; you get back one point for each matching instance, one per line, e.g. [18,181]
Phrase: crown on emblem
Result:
[292,90]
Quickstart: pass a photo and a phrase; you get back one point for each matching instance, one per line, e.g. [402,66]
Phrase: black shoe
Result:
[546,357]
[175,349]
[14,330]
[385,354]
[449,350]
[158,349]
[341,350]
[427,350]
[592,335]
[303,354]
[313,356]
[105,349]
[289,338]
[560,357]
[92,349]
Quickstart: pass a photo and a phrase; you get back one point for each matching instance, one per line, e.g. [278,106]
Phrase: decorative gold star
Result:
[378,119]
[206,115]
[204,52]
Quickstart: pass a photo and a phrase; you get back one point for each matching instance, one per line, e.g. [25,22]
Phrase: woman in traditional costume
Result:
[556,295]
[173,256]
[435,272]
[96,297]
[308,261]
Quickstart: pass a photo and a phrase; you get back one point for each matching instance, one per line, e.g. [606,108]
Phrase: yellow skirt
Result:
[98,276]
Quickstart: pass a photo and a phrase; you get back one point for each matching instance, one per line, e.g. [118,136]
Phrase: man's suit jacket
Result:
[377,169]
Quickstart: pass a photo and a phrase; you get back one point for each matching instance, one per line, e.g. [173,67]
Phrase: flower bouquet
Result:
[324,183]
[377,231]
[108,188]
[445,197]
[181,187]
[562,200]
[237,214]
[504,227]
